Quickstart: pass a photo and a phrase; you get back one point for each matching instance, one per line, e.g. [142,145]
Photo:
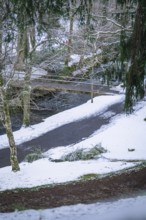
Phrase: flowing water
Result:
[47,106]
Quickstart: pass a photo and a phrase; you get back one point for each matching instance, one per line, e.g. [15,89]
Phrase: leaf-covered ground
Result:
[97,189]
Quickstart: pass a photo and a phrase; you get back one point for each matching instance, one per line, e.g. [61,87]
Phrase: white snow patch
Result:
[43,172]
[130,208]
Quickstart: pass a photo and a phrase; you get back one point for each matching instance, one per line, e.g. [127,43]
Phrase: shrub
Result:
[84,154]
[33,156]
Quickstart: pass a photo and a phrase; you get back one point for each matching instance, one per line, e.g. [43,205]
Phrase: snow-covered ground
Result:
[124,133]
[124,209]
[19,75]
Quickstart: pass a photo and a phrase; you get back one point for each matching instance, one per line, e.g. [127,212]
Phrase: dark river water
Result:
[47,106]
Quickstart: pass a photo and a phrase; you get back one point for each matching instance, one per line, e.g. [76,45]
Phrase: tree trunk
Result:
[26,41]
[9,132]
[26,97]
[0,38]
[135,75]
[1,61]
[71,20]
[31,36]
[4,109]
[22,49]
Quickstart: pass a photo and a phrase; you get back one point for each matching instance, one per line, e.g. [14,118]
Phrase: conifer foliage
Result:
[137,55]
[135,75]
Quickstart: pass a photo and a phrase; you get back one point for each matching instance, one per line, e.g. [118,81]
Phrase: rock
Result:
[131,149]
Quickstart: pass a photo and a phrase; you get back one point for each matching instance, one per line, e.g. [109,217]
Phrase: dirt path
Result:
[115,186]
[64,135]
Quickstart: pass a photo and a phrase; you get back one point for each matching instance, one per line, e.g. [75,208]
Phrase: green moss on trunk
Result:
[9,132]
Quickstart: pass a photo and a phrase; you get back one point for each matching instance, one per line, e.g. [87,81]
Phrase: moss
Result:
[89,176]
[15,164]
[18,207]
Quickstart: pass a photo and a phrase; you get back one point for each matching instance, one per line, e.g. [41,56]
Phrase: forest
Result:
[101,41]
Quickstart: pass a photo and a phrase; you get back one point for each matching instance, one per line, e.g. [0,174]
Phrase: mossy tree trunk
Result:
[135,75]
[0,38]
[133,50]
[9,132]
[26,97]
[4,108]
[22,49]
[26,41]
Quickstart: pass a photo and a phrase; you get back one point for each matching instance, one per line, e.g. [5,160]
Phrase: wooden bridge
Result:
[67,84]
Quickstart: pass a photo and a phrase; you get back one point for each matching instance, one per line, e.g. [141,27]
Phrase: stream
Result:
[49,105]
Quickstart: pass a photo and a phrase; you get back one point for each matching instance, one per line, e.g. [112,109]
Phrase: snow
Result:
[45,172]
[83,111]
[38,72]
[19,75]
[129,208]
[124,132]
[117,137]
[75,58]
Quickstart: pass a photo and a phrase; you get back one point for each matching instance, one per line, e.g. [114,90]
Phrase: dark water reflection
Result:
[49,105]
